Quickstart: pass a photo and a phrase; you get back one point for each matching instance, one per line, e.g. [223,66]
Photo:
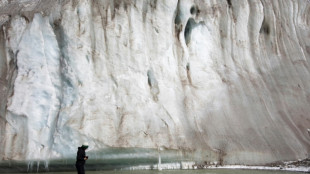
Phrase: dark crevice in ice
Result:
[265,28]
[177,21]
[229,3]
[188,71]
[193,10]
[190,25]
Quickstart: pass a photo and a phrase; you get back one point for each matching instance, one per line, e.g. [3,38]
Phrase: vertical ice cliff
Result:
[223,80]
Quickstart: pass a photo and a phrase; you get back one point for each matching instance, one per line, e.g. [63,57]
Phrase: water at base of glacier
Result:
[205,171]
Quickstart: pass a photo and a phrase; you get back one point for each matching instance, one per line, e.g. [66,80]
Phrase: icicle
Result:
[46,165]
[38,166]
[159,160]
[29,169]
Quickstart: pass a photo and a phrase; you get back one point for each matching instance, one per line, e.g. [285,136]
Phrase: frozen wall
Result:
[228,78]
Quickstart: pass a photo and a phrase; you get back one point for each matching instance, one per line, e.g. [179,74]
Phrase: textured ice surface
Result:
[224,81]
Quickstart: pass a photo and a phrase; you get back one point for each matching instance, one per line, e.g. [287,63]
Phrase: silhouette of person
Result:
[81,158]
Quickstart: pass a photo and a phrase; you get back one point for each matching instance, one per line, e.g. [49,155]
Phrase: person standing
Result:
[81,158]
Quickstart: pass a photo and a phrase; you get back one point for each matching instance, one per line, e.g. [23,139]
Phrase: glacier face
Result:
[227,78]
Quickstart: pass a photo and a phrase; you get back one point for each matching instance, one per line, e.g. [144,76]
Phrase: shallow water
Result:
[206,171]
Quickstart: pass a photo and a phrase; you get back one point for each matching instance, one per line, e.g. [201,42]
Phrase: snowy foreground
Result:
[298,166]
[192,165]
[177,166]
[295,169]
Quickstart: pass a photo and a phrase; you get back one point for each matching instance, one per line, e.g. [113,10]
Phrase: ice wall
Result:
[224,80]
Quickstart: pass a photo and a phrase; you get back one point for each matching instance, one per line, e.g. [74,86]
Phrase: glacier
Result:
[223,81]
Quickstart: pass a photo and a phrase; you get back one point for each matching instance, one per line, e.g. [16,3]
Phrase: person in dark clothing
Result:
[81,158]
